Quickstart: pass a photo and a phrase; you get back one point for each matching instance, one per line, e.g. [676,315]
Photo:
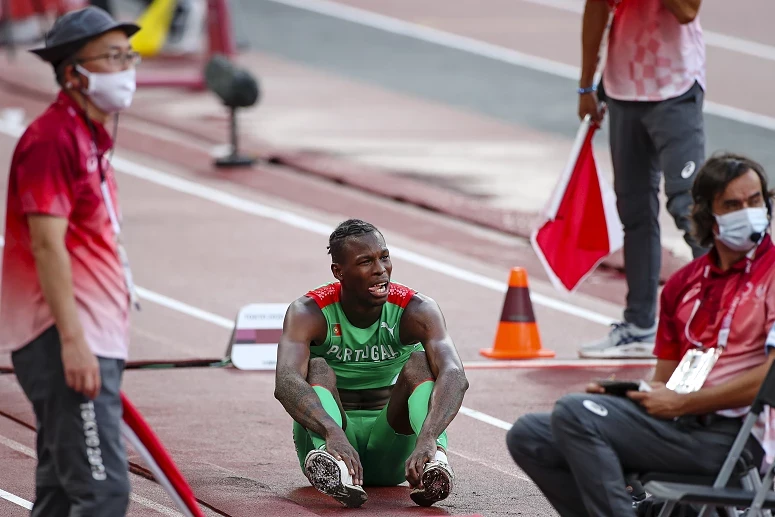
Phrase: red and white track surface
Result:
[204,243]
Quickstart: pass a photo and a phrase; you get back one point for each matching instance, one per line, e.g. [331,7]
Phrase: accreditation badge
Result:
[693,370]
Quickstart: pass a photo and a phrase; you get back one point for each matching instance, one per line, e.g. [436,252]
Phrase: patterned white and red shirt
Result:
[651,56]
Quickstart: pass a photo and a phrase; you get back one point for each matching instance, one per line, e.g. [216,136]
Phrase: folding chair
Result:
[757,496]
[745,475]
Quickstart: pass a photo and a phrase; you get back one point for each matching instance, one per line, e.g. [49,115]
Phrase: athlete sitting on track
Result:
[371,377]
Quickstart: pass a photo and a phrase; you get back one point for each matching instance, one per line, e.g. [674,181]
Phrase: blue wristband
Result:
[588,89]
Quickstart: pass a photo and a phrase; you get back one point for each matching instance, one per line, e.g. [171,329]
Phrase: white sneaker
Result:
[437,480]
[625,341]
[331,477]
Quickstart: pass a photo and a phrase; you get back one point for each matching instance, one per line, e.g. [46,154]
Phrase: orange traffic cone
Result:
[517,336]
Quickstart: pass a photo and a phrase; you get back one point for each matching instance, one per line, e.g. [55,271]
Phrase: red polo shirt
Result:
[753,319]
[54,171]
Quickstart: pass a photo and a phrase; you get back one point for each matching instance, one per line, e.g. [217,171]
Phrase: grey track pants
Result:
[646,138]
[82,466]
[578,455]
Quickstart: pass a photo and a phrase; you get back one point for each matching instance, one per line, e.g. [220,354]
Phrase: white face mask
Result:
[111,92]
[736,228]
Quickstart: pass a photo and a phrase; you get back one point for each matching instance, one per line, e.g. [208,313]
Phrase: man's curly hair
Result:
[346,229]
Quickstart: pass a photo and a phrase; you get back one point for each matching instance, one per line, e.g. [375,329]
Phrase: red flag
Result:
[138,433]
[581,226]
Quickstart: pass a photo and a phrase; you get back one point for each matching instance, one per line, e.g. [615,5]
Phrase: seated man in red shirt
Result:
[578,454]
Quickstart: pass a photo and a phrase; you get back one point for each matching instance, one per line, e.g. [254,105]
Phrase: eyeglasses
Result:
[116,58]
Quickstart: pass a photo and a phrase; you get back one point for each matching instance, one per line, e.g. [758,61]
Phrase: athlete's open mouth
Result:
[380,289]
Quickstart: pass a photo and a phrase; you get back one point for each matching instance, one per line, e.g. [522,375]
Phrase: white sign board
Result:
[257,331]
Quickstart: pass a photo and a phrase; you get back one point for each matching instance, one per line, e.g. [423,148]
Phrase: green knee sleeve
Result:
[331,407]
[419,401]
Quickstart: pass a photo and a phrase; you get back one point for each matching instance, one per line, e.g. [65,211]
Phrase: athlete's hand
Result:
[424,451]
[589,105]
[82,370]
[339,447]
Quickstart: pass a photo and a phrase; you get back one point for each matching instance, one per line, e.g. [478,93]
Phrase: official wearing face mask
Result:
[742,229]
[66,288]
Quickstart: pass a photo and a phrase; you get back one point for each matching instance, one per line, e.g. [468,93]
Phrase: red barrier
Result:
[137,432]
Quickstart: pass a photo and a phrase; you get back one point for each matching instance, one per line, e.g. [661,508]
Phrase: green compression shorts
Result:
[382,451]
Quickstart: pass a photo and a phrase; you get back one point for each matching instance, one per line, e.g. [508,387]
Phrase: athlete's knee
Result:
[418,361]
[320,373]
[417,369]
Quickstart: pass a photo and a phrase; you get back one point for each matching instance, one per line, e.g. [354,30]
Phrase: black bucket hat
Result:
[74,29]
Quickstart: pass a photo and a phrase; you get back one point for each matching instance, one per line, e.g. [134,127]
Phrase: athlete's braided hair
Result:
[348,228]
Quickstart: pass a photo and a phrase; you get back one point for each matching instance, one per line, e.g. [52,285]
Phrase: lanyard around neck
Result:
[726,322]
[112,215]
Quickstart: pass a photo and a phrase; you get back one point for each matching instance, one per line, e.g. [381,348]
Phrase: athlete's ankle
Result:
[441,455]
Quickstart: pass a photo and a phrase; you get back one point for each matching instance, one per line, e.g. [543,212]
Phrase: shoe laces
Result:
[622,334]
[621,328]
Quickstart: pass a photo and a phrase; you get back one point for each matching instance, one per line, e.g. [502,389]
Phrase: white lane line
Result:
[740,45]
[506,55]
[430,35]
[175,305]
[15,500]
[487,419]
[297,221]
[559,363]
[18,447]
[712,39]
[490,465]
[160,508]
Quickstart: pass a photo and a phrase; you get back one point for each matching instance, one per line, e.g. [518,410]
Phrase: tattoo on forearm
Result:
[446,400]
[302,403]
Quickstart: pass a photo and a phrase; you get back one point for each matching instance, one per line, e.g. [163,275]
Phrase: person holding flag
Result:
[653,87]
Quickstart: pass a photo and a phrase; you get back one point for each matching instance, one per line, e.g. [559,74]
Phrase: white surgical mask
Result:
[111,92]
[736,228]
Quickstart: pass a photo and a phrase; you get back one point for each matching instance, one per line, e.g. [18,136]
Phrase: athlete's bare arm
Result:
[303,325]
[423,321]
